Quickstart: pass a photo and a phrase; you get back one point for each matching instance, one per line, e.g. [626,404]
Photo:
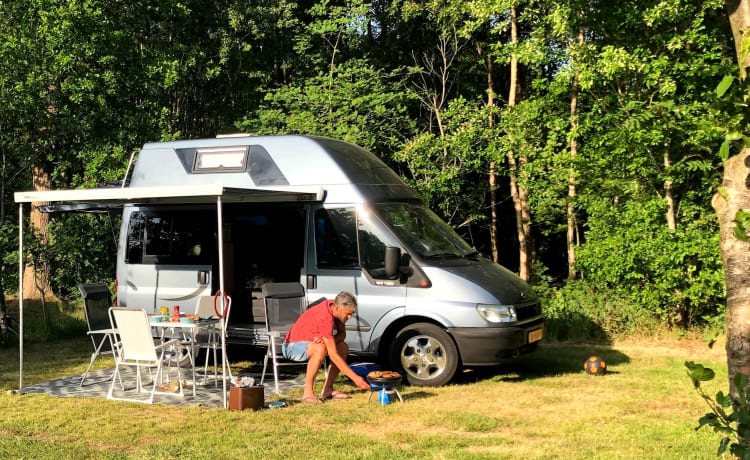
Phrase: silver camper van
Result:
[335,218]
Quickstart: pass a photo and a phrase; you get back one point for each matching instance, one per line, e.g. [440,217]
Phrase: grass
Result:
[543,406]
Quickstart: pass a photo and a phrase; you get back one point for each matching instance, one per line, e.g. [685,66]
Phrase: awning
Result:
[108,198]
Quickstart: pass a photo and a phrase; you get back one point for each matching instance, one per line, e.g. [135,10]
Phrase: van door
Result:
[348,254]
[169,257]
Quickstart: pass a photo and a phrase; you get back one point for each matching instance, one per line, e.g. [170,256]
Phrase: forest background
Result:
[575,142]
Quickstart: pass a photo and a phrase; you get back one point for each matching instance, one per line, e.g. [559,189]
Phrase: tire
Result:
[424,354]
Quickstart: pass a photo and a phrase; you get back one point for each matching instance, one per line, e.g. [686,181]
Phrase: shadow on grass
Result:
[44,361]
[547,360]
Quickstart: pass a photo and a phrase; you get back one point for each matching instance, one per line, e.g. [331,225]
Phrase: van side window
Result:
[170,237]
[336,238]
[373,241]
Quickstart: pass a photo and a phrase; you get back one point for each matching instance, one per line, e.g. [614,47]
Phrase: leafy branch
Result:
[728,416]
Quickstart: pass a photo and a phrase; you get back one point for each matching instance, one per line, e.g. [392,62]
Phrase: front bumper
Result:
[487,346]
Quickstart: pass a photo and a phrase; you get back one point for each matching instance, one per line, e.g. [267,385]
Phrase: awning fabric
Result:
[106,197]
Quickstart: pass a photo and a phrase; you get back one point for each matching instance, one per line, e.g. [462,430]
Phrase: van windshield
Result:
[423,231]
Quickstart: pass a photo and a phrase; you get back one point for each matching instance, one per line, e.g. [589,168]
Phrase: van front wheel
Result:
[425,354]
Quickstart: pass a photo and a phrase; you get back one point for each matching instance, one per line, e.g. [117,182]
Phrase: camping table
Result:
[185,328]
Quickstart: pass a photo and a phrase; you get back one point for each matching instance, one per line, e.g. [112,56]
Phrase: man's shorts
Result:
[295,351]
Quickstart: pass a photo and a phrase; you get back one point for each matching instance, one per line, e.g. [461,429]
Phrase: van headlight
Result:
[498,313]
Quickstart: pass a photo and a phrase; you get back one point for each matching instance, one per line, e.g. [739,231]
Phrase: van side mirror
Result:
[392,261]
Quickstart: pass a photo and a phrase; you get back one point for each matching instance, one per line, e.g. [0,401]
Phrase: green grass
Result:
[544,406]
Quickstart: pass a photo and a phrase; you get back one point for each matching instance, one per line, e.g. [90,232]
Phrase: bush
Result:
[578,311]
[51,321]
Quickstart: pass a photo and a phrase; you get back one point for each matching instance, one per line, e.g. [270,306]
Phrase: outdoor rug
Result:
[208,395]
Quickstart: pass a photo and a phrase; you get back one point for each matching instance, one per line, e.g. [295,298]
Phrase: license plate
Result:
[536,335]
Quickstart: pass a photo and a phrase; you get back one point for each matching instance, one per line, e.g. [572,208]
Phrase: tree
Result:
[731,203]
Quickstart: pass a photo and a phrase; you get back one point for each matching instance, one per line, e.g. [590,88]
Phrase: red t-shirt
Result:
[314,322]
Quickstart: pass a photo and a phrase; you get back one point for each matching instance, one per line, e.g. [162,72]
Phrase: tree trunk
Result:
[494,244]
[36,273]
[519,192]
[735,254]
[734,196]
[571,209]
[739,19]
[671,213]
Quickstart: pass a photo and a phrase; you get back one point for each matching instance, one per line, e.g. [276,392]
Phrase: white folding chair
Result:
[136,348]
[284,303]
[209,337]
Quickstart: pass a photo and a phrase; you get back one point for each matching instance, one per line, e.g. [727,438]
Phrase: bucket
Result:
[241,398]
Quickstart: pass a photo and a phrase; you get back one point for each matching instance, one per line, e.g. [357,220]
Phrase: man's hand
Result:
[361,383]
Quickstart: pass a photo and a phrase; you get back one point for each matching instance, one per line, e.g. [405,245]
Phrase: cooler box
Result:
[241,398]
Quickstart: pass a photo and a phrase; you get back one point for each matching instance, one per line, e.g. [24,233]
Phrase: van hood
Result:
[502,283]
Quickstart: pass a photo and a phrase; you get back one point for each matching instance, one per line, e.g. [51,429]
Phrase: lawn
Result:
[543,406]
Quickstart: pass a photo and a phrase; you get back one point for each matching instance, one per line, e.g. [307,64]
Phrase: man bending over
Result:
[319,333]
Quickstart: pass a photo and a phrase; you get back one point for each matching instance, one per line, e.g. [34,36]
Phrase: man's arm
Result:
[340,330]
[340,362]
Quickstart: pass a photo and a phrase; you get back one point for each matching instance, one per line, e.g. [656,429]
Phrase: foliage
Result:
[676,276]
[582,311]
[356,103]
[728,416]
[424,85]
[83,249]
[443,167]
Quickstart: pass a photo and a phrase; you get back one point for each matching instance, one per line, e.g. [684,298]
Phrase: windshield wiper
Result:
[472,255]
[442,255]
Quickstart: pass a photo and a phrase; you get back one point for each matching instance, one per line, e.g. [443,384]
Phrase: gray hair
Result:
[345,299]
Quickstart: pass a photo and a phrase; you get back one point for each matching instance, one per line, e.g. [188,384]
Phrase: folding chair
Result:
[284,303]
[137,348]
[6,327]
[96,303]
[209,338]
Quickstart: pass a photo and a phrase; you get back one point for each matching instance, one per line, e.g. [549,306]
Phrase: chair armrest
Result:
[274,334]
[102,331]
[168,343]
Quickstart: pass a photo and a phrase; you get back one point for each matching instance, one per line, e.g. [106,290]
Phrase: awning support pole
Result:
[20,295]
[220,231]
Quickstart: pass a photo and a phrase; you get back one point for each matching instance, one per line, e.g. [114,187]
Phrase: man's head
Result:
[344,306]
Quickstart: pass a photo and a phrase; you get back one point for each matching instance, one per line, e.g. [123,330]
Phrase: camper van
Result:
[333,217]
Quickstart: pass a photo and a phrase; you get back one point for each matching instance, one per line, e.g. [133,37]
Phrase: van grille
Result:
[526,312]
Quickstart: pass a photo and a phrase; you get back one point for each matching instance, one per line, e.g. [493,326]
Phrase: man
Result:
[319,333]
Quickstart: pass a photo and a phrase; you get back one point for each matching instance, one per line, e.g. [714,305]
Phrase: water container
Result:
[384,397]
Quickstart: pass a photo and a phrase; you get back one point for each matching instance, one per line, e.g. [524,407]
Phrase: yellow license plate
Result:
[536,335]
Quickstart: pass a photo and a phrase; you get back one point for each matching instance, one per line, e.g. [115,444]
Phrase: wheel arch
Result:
[386,339]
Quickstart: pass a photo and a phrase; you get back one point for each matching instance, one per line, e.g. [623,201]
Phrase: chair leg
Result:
[275,366]
[212,349]
[216,364]
[265,365]
[276,375]
[94,355]
[112,385]
[85,374]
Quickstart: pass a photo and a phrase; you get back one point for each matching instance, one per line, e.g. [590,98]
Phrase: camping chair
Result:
[209,338]
[284,303]
[137,348]
[6,327]
[96,303]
